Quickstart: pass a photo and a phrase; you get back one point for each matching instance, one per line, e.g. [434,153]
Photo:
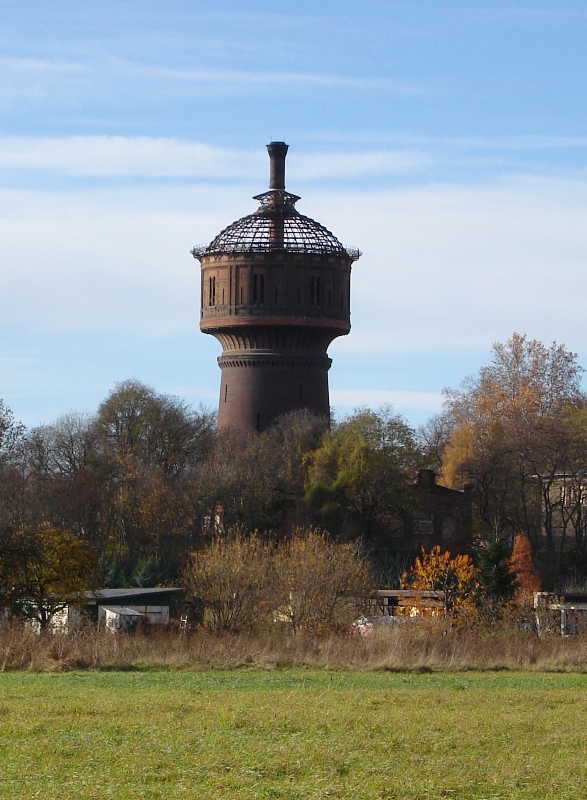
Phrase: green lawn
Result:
[293,734]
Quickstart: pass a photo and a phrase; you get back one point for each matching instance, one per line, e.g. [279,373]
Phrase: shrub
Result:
[322,583]
[233,578]
[309,582]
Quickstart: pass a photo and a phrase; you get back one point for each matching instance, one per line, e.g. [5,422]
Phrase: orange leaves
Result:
[521,565]
[456,577]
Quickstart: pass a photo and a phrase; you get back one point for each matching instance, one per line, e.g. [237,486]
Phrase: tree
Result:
[233,578]
[12,479]
[524,376]
[494,571]
[136,425]
[309,581]
[321,583]
[149,448]
[510,437]
[521,566]
[457,577]
[66,485]
[242,476]
[11,433]
[43,570]
[359,478]
[292,438]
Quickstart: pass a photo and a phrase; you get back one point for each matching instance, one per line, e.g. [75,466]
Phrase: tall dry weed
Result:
[401,647]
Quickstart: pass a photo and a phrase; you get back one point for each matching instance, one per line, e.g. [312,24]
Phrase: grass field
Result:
[292,734]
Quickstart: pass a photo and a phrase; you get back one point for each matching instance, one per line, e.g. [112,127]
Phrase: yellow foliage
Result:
[456,577]
[459,449]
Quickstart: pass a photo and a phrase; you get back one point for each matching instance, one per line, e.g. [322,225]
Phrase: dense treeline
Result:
[147,480]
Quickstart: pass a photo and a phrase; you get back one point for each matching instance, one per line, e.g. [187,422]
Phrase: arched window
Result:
[315,287]
[258,288]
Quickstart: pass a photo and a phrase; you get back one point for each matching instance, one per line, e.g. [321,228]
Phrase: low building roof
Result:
[102,595]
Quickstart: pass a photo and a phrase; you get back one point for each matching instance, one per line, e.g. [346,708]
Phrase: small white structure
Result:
[65,621]
[117,618]
[567,612]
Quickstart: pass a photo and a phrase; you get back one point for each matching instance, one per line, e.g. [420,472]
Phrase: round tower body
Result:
[275,293]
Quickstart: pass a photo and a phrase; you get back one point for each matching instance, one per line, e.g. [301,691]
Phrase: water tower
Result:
[275,293]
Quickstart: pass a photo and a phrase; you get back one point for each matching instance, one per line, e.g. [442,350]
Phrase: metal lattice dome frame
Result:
[255,233]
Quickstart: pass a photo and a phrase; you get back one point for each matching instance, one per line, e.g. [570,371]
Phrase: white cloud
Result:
[374,398]
[460,266]
[445,268]
[149,157]
[145,157]
[48,80]
[119,156]
[97,75]
[354,164]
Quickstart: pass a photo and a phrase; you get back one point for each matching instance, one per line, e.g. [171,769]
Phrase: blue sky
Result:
[447,140]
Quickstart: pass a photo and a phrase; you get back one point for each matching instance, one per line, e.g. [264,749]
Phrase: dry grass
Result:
[403,648]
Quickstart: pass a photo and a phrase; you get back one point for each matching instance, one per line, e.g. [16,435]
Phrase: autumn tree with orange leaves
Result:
[522,567]
[456,577]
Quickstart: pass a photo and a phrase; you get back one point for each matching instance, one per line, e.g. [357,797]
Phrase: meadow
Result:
[292,733]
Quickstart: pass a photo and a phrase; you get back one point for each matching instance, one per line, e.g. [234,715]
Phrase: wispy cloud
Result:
[458,266]
[118,156]
[164,157]
[423,401]
[17,360]
[149,157]
[41,65]
[236,79]
[362,139]
[108,75]
[354,164]
[48,81]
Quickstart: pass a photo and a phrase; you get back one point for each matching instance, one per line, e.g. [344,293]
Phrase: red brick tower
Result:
[275,293]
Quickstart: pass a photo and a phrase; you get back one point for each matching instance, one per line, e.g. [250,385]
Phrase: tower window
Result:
[226,393]
[315,287]
[258,288]
[212,292]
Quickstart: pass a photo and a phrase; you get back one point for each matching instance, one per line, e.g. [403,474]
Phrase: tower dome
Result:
[275,293]
[257,232]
